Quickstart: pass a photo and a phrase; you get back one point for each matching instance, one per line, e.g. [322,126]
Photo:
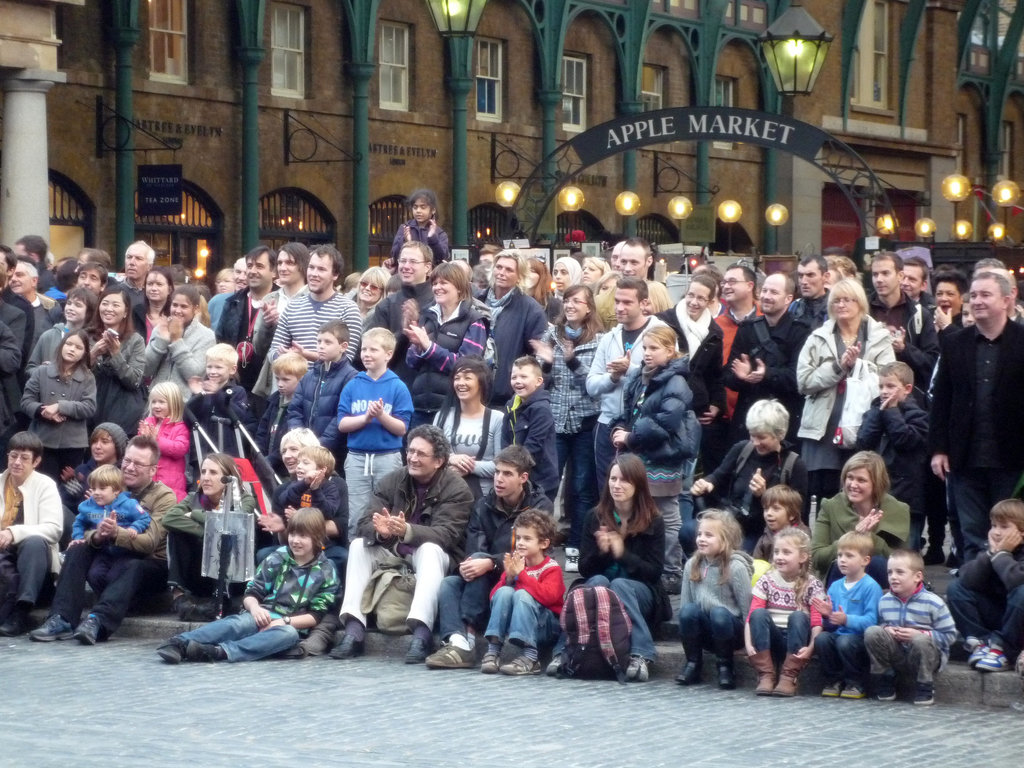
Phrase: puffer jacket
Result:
[315,403]
[461,335]
[655,412]
[818,372]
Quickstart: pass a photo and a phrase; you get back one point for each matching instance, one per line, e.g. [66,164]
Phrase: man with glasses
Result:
[306,313]
[417,513]
[399,310]
[31,521]
[141,569]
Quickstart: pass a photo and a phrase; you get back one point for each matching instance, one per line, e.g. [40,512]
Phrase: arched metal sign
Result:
[819,148]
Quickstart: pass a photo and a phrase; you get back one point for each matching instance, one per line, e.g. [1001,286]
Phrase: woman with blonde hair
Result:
[594,269]
[372,287]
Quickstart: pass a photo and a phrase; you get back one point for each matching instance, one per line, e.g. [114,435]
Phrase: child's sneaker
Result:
[976,649]
[993,661]
[572,560]
[885,686]
[489,665]
[924,695]
[832,690]
[852,691]
[637,669]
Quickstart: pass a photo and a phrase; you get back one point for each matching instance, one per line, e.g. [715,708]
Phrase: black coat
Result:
[705,376]
[532,426]
[388,314]
[921,342]
[779,353]
[490,526]
[900,436]
[234,328]
[953,398]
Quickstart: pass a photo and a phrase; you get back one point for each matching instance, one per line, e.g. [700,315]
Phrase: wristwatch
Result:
[288,620]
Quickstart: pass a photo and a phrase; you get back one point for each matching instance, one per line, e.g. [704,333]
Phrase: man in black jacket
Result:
[464,599]
[238,320]
[762,363]
[977,415]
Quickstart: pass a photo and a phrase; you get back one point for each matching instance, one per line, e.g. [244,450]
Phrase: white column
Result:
[24,180]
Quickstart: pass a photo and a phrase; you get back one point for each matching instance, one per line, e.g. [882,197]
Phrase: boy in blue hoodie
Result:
[315,402]
[108,498]
[374,411]
[850,608]
[529,422]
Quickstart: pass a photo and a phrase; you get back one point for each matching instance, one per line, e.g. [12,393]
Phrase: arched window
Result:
[192,238]
[657,229]
[72,217]
[291,214]
[591,226]
[387,214]
[489,222]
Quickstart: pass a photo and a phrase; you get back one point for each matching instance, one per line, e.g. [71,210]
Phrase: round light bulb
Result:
[776,214]
[1005,193]
[730,211]
[506,193]
[963,229]
[627,203]
[956,187]
[680,207]
[924,228]
[570,198]
[996,232]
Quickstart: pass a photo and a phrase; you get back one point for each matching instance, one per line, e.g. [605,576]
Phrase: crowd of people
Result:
[450,441]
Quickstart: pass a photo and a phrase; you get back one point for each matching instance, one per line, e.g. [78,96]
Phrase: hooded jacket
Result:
[655,414]
[491,525]
[315,402]
[530,423]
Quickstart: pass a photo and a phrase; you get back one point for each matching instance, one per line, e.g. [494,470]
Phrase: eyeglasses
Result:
[419,454]
[126,462]
[575,302]
[23,458]
[369,285]
[733,281]
[698,299]
[403,262]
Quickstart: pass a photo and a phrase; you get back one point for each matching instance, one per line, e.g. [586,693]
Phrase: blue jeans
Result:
[716,630]
[517,616]
[640,603]
[989,617]
[764,635]
[604,452]
[462,603]
[584,488]
[974,492]
[844,658]
[241,639]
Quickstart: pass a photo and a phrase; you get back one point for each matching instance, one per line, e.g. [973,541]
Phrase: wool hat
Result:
[116,434]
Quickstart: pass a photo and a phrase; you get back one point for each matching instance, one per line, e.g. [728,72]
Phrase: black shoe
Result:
[88,632]
[16,624]
[418,651]
[348,648]
[183,605]
[953,560]
[934,556]
[726,675]
[172,651]
[204,652]
[689,674]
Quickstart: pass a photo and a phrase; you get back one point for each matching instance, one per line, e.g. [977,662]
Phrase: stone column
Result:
[24,174]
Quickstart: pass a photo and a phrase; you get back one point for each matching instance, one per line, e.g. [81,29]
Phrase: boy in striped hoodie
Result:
[914,632]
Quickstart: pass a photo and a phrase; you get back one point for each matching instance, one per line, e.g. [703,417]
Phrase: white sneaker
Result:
[572,560]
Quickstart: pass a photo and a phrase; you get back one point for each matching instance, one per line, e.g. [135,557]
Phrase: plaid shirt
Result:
[570,403]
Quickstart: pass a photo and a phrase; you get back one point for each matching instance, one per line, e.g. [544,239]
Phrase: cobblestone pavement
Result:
[117,704]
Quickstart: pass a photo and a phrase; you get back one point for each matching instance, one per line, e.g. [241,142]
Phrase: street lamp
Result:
[963,229]
[924,228]
[996,232]
[1006,193]
[794,47]
[776,214]
[679,208]
[506,194]
[956,187]
[729,211]
[570,198]
[885,224]
[627,203]
[456,18]
[456,21]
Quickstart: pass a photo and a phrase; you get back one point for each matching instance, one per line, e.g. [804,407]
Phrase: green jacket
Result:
[189,516]
[836,517]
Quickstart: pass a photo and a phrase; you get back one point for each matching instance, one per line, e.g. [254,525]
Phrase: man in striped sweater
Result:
[914,632]
[306,313]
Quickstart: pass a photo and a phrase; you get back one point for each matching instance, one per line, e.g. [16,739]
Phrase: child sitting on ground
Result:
[715,597]
[897,428]
[289,594]
[310,488]
[108,498]
[374,410]
[527,600]
[529,422]
[288,370]
[782,507]
[850,608]
[218,401]
[914,632]
[987,601]
[783,622]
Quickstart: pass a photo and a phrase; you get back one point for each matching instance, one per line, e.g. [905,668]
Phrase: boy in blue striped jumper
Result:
[914,632]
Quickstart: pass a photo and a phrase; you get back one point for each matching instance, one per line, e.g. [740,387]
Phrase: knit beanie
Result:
[116,434]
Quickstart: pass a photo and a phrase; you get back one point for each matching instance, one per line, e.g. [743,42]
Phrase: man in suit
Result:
[977,415]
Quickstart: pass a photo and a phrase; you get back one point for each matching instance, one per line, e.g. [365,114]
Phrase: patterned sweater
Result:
[302,318]
[922,610]
[778,596]
[286,588]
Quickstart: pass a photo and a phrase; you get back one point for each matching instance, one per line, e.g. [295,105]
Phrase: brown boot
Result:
[765,668]
[791,669]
